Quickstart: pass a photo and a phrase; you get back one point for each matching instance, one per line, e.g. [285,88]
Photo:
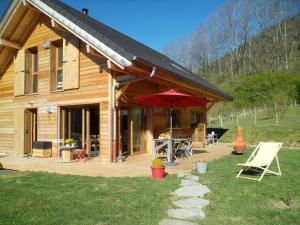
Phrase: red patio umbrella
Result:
[170,98]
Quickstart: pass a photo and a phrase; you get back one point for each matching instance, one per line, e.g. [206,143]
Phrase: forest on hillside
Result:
[249,48]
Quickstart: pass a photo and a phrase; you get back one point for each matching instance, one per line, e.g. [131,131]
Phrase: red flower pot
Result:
[158,173]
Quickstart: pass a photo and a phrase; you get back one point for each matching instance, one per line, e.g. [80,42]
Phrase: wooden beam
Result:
[121,91]
[56,25]
[10,44]
[211,105]
[28,5]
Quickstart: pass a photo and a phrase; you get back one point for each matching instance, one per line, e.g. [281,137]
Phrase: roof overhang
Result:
[221,96]
[81,34]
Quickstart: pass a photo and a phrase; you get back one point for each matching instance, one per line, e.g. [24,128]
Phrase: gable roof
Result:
[117,46]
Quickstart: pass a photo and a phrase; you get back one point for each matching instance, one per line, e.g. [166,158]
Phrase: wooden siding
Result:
[94,86]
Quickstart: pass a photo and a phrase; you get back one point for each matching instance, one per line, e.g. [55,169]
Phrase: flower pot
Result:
[201,167]
[158,173]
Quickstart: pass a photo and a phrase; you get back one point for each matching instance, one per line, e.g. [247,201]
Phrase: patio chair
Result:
[188,150]
[79,154]
[261,159]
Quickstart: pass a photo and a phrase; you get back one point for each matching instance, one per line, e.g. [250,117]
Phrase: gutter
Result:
[113,91]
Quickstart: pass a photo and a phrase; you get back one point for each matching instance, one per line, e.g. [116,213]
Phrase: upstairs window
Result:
[31,70]
[56,64]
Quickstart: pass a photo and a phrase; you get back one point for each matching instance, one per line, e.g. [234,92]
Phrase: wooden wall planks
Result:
[94,86]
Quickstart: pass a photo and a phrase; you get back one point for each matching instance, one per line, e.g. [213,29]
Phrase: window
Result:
[56,63]
[31,70]
[198,117]
[176,118]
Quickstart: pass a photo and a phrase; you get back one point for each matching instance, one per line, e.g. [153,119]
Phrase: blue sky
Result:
[153,22]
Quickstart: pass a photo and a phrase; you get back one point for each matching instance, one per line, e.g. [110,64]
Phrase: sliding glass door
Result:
[138,121]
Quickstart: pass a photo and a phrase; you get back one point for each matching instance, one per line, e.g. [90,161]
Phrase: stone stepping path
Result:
[189,201]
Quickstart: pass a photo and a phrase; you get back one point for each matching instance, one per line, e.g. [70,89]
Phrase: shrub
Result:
[157,163]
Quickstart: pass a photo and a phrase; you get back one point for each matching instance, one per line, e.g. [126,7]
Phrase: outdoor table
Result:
[159,143]
[67,153]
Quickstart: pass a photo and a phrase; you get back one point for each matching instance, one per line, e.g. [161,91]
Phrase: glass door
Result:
[138,120]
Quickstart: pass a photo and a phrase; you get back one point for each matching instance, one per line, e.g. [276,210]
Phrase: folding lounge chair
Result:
[261,158]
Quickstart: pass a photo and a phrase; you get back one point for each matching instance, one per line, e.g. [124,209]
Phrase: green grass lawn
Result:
[242,201]
[266,129]
[44,198]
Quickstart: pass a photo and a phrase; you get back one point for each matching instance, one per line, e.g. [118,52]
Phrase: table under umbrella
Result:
[170,99]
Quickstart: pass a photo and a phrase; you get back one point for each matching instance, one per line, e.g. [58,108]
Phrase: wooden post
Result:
[237,121]
[221,122]
[88,140]
[244,113]
[83,127]
[255,116]
[277,122]
[69,124]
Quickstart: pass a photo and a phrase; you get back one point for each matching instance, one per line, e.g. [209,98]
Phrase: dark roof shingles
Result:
[128,47]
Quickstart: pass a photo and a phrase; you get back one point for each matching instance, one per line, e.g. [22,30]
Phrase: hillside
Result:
[266,129]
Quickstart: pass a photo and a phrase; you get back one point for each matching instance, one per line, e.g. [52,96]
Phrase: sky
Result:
[152,22]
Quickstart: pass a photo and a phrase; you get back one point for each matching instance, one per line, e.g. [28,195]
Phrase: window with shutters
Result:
[31,70]
[56,66]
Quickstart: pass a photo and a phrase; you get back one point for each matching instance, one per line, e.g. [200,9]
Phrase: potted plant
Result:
[201,166]
[70,142]
[158,168]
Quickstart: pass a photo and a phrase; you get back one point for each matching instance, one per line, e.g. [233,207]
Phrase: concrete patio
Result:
[133,166]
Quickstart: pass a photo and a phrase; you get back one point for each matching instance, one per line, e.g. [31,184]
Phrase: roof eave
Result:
[221,95]
[81,34]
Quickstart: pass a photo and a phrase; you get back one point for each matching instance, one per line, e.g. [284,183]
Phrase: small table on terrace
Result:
[160,143]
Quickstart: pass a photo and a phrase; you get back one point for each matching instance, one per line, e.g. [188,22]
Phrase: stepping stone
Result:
[191,203]
[192,191]
[187,182]
[191,213]
[175,222]
[192,177]
[183,174]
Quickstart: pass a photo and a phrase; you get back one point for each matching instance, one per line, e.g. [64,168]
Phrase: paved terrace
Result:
[133,166]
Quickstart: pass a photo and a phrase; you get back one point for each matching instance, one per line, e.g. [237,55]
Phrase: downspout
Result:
[113,95]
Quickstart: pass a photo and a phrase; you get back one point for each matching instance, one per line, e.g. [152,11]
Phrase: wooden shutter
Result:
[52,68]
[19,130]
[28,72]
[19,73]
[71,63]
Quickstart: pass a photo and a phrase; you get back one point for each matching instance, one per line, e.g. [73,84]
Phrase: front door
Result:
[30,129]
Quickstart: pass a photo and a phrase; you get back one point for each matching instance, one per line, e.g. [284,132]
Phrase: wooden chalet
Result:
[65,75]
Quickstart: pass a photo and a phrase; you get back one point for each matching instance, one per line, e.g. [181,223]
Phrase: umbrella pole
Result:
[169,160]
